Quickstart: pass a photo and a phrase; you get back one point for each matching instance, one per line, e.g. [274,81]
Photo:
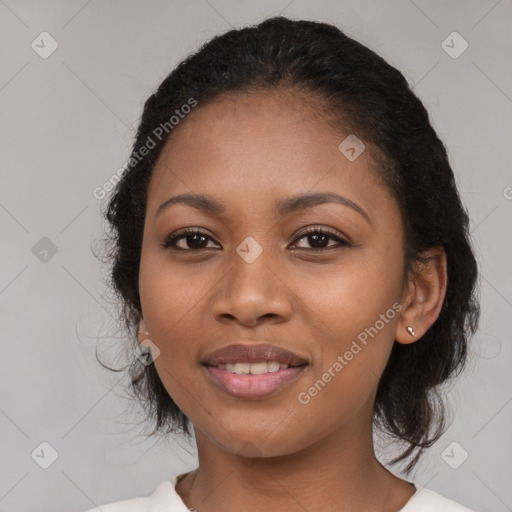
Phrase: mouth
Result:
[253,371]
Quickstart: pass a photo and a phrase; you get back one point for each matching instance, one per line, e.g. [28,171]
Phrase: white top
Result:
[166,499]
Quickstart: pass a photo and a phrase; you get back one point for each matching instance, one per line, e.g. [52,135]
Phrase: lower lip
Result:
[252,387]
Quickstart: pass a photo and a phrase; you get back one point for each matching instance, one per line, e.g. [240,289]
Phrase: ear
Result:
[424,293]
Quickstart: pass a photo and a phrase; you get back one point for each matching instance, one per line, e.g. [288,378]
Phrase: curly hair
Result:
[360,90]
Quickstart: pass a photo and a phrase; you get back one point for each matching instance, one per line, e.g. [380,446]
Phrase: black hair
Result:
[373,99]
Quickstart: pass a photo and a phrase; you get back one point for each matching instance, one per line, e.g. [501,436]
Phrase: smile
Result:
[252,372]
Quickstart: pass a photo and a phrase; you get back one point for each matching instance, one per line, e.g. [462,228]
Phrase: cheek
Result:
[170,294]
[348,297]
[171,299]
[353,311]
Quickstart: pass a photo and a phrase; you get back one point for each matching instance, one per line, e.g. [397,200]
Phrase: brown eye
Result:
[192,240]
[319,239]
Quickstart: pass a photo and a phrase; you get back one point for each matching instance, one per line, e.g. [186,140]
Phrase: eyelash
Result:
[185,233]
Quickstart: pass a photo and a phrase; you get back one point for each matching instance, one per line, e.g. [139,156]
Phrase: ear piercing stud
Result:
[144,332]
[410,330]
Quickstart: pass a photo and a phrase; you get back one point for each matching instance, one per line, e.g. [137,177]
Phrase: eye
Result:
[318,238]
[195,239]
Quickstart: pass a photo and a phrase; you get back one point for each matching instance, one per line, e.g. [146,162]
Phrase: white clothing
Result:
[166,499]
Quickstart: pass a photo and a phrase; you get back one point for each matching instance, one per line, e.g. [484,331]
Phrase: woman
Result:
[289,242]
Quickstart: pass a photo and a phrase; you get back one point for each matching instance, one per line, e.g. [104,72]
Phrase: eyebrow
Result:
[283,206]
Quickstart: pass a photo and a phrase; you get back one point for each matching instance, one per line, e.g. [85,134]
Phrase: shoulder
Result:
[425,500]
[163,498]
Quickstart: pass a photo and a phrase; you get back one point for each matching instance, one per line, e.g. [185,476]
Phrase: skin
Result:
[250,150]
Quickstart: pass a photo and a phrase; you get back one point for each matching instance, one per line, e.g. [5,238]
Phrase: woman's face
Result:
[254,276]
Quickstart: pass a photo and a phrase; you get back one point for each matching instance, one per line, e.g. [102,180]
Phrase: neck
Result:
[327,475]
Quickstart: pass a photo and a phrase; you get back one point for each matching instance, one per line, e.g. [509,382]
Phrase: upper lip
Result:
[252,353]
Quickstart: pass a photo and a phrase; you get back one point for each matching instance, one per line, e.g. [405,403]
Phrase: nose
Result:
[253,293]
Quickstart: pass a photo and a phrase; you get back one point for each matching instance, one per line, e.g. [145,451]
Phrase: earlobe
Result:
[427,290]
[143,331]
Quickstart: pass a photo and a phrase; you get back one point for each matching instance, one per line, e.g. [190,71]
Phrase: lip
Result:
[253,387]
[249,386]
[252,353]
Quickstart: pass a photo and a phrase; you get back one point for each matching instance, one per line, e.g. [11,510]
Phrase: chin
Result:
[249,442]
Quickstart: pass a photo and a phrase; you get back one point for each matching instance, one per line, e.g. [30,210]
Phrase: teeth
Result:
[258,368]
[273,366]
[242,368]
[253,368]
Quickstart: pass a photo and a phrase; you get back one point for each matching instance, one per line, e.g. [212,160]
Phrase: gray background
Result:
[67,124]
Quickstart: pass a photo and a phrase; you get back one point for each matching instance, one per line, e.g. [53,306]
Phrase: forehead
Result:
[250,146]
[255,123]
